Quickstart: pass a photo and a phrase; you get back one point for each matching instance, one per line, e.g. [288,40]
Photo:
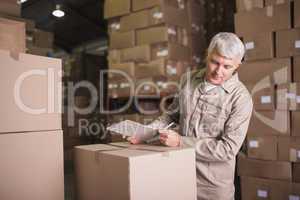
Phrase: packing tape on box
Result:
[116,147]
[294,155]
[253,144]
[270,11]
[294,197]
[249,45]
[297,44]
[265,99]
[262,193]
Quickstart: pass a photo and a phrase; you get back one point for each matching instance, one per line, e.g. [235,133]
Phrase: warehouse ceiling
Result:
[83,21]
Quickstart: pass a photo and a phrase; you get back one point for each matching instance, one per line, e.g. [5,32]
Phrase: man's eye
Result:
[228,66]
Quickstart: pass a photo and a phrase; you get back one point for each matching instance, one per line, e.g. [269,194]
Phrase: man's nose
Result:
[219,70]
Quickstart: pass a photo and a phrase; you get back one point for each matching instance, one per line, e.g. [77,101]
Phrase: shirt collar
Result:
[228,85]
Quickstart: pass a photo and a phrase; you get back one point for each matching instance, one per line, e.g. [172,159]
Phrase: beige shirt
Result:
[214,121]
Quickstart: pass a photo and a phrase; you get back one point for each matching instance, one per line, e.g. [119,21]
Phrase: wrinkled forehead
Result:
[224,60]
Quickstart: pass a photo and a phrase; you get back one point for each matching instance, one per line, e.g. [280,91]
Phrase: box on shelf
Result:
[136,54]
[122,40]
[170,51]
[113,25]
[268,19]
[270,123]
[288,96]
[295,125]
[288,43]
[141,5]
[278,71]
[11,8]
[262,147]
[276,2]
[264,169]
[259,46]
[296,69]
[296,14]
[42,39]
[289,149]
[196,13]
[29,24]
[296,173]
[135,20]
[127,68]
[115,8]
[248,5]
[120,88]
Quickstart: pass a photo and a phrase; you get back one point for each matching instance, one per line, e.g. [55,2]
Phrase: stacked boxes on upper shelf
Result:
[152,41]
[270,31]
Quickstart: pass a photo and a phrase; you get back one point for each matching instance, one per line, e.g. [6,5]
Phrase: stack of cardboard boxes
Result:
[153,43]
[31,142]
[270,31]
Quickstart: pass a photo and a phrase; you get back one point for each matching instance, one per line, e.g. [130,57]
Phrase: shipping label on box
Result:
[170,51]
[114,25]
[289,149]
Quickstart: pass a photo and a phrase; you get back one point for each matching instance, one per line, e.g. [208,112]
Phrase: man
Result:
[213,117]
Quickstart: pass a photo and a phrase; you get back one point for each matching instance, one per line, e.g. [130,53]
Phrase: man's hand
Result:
[133,140]
[169,138]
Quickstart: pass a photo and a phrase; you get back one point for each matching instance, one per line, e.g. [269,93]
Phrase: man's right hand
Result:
[134,140]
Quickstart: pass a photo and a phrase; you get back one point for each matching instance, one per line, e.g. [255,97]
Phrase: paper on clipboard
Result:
[131,128]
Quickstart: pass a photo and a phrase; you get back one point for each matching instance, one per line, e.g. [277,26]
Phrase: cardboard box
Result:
[197,44]
[248,5]
[122,40]
[12,35]
[278,71]
[43,39]
[264,169]
[267,19]
[29,24]
[296,69]
[257,188]
[168,15]
[262,147]
[136,54]
[288,43]
[34,156]
[295,127]
[11,8]
[259,46]
[121,70]
[289,149]
[160,67]
[155,35]
[39,51]
[296,14]
[270,123]
[263,96]
[114,56]
[135,20]
[296,172]
[288,96]
[170,51]
[115,8]
[136,172]
[141,5]
[31,93]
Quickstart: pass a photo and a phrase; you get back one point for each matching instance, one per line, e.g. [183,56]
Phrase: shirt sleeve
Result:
[227,146]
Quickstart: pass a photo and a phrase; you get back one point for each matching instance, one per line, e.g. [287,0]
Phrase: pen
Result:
[156,137]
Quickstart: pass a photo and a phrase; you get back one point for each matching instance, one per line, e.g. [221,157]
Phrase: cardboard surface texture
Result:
[264,169]
[122,40]
[12,35]
[278,71]
[296,69]
[259,46]
[297,14]
[136,172]
[266,19]
[135,20]
[262,147]
[11,8]
[34,156]
[136,54]
[295,127]
[247,5]
[263,97]
[115,8]
[288,43]
[296,173]
[31,93]
[289,149]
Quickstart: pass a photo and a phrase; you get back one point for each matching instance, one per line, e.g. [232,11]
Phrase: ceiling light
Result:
[58,12]
[21,1]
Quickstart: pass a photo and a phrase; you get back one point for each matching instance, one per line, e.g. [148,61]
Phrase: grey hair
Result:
[227,45]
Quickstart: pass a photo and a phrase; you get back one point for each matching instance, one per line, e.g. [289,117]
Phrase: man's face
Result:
[220,69]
